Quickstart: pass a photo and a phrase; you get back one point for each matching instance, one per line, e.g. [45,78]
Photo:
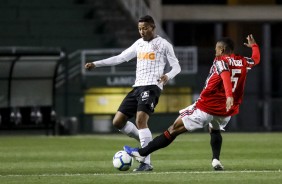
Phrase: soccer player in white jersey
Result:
[152,52]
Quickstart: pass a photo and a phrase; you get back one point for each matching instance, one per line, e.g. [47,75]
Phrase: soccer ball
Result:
[122,161]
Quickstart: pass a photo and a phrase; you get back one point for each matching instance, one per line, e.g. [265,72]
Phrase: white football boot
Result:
[217,166]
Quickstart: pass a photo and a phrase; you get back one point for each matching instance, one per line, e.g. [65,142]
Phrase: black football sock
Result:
[158,142]
[216,142]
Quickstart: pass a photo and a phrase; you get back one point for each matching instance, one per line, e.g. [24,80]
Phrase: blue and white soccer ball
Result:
[122,161]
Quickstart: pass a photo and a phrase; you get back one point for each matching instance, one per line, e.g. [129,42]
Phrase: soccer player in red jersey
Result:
[219,100]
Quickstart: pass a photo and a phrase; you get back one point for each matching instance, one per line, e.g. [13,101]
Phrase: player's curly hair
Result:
[148,19]
[228,44]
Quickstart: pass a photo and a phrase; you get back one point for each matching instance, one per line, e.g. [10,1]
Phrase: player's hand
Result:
[89,66]
[250,40]
[229,103]
[163,79]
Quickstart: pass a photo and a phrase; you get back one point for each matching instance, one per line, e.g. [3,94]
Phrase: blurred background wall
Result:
[44,45]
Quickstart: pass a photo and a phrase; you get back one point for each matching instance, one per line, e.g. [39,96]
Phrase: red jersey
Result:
[212,99]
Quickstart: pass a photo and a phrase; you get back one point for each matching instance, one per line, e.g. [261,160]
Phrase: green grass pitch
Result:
[251,158]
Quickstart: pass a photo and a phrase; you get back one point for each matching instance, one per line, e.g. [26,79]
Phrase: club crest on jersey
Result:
[155,47]
[145,95]
[146,56]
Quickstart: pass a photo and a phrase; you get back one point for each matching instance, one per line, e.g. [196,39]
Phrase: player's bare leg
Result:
[121,122]
[177,128]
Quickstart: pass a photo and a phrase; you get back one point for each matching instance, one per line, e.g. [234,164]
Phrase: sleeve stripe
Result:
[221,66]
[250,61]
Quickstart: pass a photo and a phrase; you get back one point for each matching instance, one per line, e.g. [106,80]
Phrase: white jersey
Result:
[151,56]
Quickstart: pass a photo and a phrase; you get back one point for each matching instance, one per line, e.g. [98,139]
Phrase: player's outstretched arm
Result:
[89,66]
[251,41]
[255,48]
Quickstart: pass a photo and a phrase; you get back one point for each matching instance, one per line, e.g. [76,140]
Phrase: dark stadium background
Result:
[42,42]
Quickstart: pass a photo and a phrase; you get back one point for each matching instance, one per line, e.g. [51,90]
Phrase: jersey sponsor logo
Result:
[146,56]
[234,62]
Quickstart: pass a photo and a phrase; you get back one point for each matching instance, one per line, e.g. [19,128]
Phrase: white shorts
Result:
[194,118]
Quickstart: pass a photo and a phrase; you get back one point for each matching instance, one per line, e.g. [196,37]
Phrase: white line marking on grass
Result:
[139,173]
